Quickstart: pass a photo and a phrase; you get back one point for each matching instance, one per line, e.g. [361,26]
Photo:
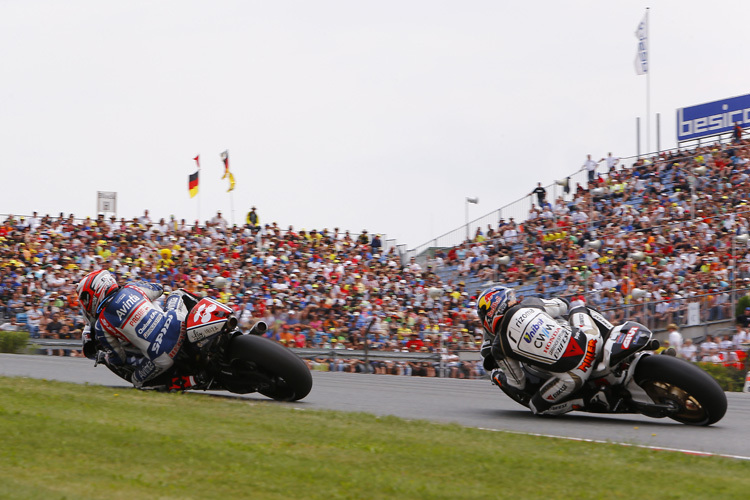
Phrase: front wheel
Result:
[284,376]
[697,396]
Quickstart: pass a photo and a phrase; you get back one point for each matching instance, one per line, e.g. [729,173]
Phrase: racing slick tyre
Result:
[285,376]
[697,397]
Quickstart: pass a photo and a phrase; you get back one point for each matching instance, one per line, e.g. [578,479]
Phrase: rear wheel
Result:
[697,396]
[284,376]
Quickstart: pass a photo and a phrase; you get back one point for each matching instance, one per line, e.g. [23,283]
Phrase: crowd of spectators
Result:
[323,289]
[641,242]
[662,241]
[729,349]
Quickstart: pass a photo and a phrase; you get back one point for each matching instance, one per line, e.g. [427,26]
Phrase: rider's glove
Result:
[101,357]
[497,376]
[88,343]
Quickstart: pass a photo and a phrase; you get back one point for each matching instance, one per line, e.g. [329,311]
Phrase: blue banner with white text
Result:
[712,118]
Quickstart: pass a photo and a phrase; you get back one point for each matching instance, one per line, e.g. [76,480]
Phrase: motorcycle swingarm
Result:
[243,377]
[623,402]
[653,410]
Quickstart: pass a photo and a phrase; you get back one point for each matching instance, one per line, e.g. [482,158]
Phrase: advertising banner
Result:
[712,118]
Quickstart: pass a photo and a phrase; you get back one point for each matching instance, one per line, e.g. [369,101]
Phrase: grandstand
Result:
[673,190]
[662,240]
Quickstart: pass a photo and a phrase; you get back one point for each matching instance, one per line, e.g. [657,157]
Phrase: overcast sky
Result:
[354,114]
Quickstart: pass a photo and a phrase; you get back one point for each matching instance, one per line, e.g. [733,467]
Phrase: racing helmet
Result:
[492,304]
[94,288]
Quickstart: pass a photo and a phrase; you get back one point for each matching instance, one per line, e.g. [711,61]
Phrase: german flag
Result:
[193,183]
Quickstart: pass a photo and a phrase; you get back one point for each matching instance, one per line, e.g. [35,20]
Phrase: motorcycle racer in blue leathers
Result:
[139,338]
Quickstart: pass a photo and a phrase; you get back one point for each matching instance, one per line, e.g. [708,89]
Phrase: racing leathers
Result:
[557,341]
[136,334]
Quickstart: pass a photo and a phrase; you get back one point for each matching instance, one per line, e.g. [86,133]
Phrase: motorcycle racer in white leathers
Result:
[139,338]
[559,342]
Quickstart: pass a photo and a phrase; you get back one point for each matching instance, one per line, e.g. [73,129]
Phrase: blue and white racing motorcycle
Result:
[228,359]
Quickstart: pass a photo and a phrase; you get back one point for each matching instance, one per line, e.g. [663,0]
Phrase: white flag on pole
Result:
[641,57]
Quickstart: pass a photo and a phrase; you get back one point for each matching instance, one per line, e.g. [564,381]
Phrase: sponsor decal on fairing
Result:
[206,320]
[588,360]
[629,337]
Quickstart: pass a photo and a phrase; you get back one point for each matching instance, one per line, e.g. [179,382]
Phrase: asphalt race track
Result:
[471,403]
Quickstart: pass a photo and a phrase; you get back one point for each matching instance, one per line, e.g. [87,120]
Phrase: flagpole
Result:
[225,158]
[648,85]
[643,65]
[197,187]
[198,215]
[231,205]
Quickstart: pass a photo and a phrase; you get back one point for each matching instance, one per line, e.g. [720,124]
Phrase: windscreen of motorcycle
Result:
[630,338]
[206,319]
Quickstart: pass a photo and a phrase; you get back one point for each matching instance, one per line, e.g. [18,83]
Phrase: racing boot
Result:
[187,382]
[498,378]
[554,397]
[182,383]
[557,409]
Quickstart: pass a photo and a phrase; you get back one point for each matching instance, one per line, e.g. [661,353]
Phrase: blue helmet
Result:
[492,305]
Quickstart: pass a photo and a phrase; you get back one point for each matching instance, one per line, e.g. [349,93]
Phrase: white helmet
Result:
[93,289]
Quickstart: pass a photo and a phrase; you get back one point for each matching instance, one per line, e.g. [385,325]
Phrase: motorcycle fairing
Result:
[207,319]
[631,338]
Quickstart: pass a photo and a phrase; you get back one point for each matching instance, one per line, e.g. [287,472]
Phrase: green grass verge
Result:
[90,442]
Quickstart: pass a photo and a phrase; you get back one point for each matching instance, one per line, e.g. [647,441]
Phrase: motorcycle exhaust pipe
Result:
[259,328]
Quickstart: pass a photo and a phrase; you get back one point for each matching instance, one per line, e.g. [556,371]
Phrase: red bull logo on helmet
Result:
[494,302]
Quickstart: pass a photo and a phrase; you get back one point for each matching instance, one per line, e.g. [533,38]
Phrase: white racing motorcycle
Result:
[630,378]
